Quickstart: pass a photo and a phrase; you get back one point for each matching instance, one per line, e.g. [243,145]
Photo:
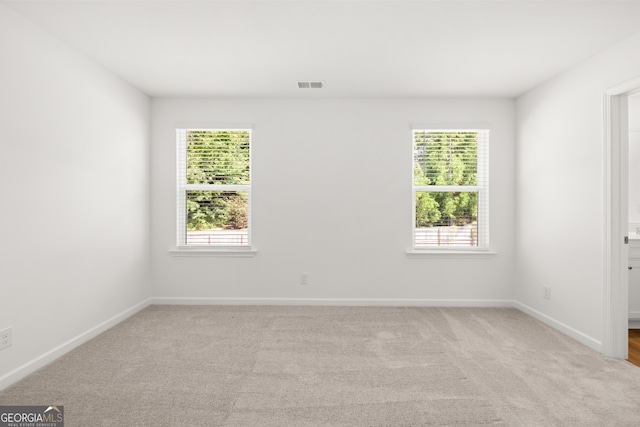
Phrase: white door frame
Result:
[616,176]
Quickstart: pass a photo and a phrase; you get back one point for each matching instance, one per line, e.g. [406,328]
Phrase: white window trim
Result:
[181,249]
[206,251]
[455,254]
[483,249]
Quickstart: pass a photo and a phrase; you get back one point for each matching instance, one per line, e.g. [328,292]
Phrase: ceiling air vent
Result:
[310,85]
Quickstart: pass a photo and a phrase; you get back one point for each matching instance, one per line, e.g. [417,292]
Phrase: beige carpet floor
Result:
[334,366]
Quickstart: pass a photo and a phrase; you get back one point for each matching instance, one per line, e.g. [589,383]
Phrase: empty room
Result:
[319,213]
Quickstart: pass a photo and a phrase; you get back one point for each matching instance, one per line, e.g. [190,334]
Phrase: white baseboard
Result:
[48,357]
[634,323]
[374,302]
[565,329]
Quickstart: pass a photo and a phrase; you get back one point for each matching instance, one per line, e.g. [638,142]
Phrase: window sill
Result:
[434,253]
[242,252]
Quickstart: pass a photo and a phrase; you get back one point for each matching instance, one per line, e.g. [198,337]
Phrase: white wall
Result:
[634,162]
[559,210]
[74,217]
[332,198]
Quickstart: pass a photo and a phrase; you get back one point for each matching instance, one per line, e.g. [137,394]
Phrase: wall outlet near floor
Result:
[546,292]
[304,279]
[6,338]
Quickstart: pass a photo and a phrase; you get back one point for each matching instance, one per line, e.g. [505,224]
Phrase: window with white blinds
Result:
[450,188]
[214,187]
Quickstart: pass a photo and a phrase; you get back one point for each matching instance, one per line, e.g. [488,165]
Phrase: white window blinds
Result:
[213,187]
[450,188]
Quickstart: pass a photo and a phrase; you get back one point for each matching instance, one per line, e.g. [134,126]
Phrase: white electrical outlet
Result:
[546,292]
[6,338]
[304,279]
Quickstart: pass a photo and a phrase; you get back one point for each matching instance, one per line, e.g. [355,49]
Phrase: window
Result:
[450,189]
[214,187]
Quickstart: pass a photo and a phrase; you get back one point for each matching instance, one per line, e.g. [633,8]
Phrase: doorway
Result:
[615,341]
[634,226]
